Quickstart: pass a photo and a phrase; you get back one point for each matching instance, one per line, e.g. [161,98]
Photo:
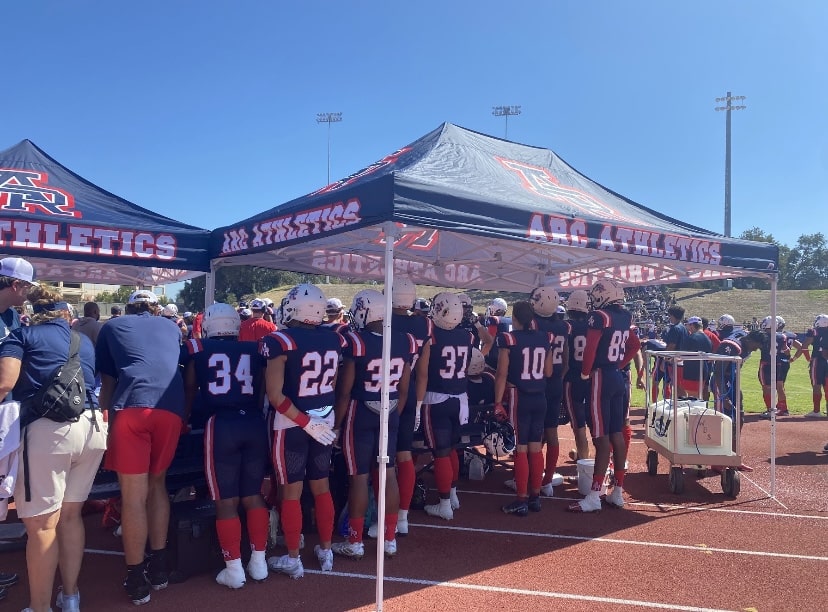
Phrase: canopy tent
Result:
[74,231]
[476,211]
[461,209]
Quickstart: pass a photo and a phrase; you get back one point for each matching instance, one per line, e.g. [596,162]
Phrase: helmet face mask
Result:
[367,307]
[304,304]
[221,320]
[446,311]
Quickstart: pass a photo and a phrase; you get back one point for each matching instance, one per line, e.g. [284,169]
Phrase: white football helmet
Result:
[606,292]
[477,363]
[499,438]
[304,303]
[821,321]
[368,306]
[221,320]
[497,307]
[465,300]
[544,301]
[170,311]
[403,292]
[726,320]
[578,301]
[780,323]
[446,310]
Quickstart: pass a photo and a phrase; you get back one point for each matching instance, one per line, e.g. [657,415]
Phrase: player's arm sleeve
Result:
[593,337]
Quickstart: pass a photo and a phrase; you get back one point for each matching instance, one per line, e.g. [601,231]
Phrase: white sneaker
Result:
[68,603]
[325,557]
[287,565]
[814,415]
[402,526]
[232,576]
[441,510]
[547,490]
[616,497]
[510,484]
[391,548]
[354,550]
[455,501]
[257,566]
[591,503]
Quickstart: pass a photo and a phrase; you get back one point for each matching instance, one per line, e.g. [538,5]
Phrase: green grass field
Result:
[797,386]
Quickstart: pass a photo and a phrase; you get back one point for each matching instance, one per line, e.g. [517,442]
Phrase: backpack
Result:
[63,399]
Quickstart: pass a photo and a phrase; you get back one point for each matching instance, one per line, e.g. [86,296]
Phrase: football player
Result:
[817,337]
[576,391]
[783,365]
[358,410]
[256,327]
[495,322]
[229,375]
[445,403]
[525,363]
[300,378]
[482,339]
[610,346]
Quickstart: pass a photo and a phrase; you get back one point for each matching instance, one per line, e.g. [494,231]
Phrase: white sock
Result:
[257,555]
[445,503]
[234,565]
[402,515]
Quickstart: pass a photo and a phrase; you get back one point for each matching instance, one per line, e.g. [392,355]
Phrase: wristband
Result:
[301,419]
[284,406]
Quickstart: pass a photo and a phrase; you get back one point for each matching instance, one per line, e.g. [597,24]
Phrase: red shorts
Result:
[142,440]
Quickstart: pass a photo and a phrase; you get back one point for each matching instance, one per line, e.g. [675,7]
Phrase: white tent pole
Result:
[773,387]
[390,231]
[210,286]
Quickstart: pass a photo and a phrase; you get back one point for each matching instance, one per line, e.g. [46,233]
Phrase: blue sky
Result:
[205,111]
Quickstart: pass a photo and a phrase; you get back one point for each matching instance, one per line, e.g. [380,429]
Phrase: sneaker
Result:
[292,566]
[766,415]
[390,548]
[402,527]
[534,504]
[510,484]
[455,501]
[354,550]
[68,603]
[781,413]
[518,507]
[815,415]
[137,587]
[157,573]
[325,557]
[439,510]
[372,531]
[257,566]
[547,490]
[615,498]
[232,576]
[591,503]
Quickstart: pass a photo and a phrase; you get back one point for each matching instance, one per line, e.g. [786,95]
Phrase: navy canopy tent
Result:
[474,211]
[74,231]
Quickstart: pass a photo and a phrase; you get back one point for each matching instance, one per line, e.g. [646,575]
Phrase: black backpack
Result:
[63,399]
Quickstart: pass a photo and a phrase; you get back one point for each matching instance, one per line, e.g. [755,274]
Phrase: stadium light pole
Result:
[728,108]
[329,118]
[506,112]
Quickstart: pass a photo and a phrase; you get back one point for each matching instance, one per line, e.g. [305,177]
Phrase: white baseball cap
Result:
[142,296]
[19,268]
[334,305]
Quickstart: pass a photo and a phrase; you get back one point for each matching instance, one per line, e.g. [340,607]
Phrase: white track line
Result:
[555,536]
[531,593]
[99,551]
[673,506]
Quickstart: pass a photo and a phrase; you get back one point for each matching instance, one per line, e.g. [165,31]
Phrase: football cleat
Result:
[439,510]
[354,550]
[232,576]
[390,548]
[325,557]
[291,566]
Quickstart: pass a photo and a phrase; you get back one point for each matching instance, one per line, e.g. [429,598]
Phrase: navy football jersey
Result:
[495,325]
[365,349]
[229,373]
[527,355]
[559,330]
[783,351]
[312,362]
[614,324]
[820,340]
[577,344]
[421,328]
[448,360]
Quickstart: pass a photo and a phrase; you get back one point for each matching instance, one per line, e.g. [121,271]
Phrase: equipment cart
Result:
[690,431]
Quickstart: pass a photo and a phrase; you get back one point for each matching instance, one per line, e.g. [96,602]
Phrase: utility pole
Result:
[506,111]
[729,107]
[329,118]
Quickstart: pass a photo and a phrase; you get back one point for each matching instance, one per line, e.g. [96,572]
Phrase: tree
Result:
[119,296]
[239,282]
[808,262]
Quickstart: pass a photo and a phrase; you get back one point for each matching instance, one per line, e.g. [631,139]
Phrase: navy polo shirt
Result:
[141,352]
[41,348]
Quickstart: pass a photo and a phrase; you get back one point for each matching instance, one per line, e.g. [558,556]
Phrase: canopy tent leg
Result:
[210,286]
[773,388]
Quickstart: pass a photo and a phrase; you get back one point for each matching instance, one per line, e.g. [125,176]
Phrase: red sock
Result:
[766,397]
[258,524]
[390,526]
[455,466]
[619,476]
[442,474]
[291,518]
[406,480]
[324,516]
[551,462]
[817,401]
[355,527]
[627,433]
[536,476]
[522,473]
[229,537]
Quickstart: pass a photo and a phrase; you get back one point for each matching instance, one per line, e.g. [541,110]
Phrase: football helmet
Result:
[726,320]
[403,292]
[606,292]
[170,311]
[221,320]
[368,306]
[497,307]
[446,310]
[477,363]
[421,305]
[765,325]
[780,323]
[468,308]
[578,301]
[544,301]
[499,438]
[304,303]
[821,321]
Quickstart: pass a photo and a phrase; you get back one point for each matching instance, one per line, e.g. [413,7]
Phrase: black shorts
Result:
[441,424]
[782,368]
[527,412]
[608,404]
[576,398]
[818,370]
[297,456]
[554,402]
[360,438]
[235,455]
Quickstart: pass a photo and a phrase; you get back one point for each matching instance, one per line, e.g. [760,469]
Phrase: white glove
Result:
[417,409]
[320,431]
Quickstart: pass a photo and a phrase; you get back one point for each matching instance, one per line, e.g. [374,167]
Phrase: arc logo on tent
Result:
[540,181]
[28,192]
[385,161]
